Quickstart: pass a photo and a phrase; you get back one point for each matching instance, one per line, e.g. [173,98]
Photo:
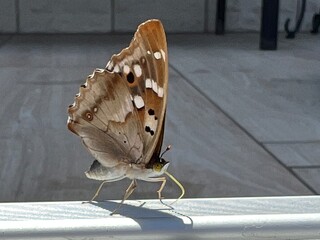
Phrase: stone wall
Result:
[104,16]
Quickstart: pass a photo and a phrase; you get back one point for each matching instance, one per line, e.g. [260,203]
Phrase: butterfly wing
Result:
[119,112]
[144,65]
[103,116]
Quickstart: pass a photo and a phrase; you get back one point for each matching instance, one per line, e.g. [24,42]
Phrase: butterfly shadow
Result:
[172,220]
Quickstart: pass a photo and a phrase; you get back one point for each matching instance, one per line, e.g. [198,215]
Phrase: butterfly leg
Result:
[129,191]
[164,180]
[160,179]
[98,191]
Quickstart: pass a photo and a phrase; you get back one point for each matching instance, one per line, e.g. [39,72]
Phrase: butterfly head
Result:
[160,165]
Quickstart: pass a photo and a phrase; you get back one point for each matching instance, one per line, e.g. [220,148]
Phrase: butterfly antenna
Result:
[167,149]
[179,184]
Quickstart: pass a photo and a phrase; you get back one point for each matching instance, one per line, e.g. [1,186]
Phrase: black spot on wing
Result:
[151,112]
[130,77]
[149,130]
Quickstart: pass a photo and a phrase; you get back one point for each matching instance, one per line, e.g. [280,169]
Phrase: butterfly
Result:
[119,113]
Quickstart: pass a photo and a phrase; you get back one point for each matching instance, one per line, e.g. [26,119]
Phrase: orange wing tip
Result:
[151,23]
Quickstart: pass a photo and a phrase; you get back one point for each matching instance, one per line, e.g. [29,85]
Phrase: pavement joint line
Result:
[289,169]
[291,142]
[305,167]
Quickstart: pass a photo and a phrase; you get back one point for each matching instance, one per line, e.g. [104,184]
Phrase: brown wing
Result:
[119,112]
[103,116]
[144,66]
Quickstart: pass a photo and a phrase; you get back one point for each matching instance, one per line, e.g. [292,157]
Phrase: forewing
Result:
[144,68]
[119,112]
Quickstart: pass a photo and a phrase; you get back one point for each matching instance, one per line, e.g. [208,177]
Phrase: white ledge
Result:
[222,218]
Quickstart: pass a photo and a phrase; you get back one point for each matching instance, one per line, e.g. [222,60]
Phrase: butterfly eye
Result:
[157,167]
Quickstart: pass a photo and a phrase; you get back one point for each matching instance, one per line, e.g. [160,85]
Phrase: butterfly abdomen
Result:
[131,171]
[99,172]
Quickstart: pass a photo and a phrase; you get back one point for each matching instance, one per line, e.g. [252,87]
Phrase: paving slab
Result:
[271,94]
[216,154]
[311,176]
[42,160]
[297,154]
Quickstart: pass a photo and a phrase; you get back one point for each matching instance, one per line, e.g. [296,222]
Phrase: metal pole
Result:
[220,16]
[269,25]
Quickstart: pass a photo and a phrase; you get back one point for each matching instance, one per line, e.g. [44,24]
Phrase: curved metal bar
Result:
[291,34]
[275,218]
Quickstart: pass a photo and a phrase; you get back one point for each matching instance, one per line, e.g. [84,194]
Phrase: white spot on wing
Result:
[148,52]
[116,68]
[154,86]
[148,83]
[163,54]
[137,70]
[138,101]
[160,92]
[69,120]
[157,55]
[109,66]
[126,69]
